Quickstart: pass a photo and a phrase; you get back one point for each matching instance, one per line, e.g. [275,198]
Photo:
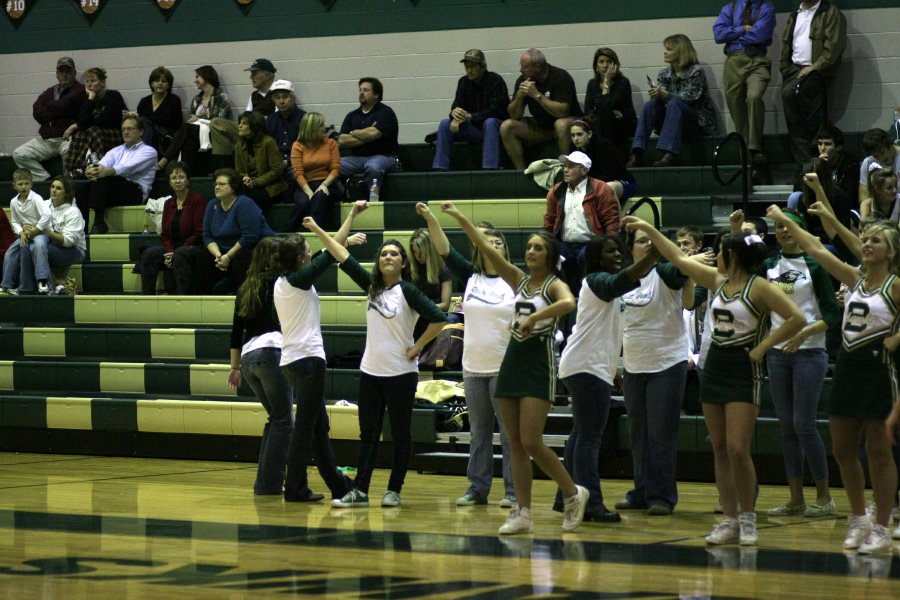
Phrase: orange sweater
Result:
[315,164]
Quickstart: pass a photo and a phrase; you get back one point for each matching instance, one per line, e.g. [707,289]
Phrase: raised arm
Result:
[438,237]
[510,273]
[332,246]
[812,246]
[708,277]
[811,180]
[341,236]
[828,218]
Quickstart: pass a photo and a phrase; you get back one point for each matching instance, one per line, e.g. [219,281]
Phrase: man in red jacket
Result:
[54,110]
[579,209]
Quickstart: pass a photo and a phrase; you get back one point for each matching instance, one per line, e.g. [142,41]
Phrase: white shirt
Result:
[575,225]
[489,304]
[67,220]
[270,339]
[301,322]
[802,46]
[655,337]
[28,212]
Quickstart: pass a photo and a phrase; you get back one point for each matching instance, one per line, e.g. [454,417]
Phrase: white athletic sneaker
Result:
[858,529]
[877,542]
[390,499]
[747,525]
[352,499]
[507,501]
[574,509]
[725,532]
[518,521]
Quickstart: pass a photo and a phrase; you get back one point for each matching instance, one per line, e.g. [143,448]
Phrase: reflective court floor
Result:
[80,527]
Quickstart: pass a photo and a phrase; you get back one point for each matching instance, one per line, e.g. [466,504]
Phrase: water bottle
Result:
[897,124]
[374,191]
[92,158]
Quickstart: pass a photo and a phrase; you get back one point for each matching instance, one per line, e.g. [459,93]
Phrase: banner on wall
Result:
[90,8]
[166,7]
[245,5]
[17,9]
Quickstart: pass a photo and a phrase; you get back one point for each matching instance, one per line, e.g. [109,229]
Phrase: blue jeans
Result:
[260,370]
[372,167]
[672,119]
[653,403]
[39,256]
[310,434]
[12,266]
[489,134]
[590,410]
[397,394]
[483,407]
[316,206]
[795,383]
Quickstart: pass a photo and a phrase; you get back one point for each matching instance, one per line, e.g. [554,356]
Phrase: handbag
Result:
[445,352]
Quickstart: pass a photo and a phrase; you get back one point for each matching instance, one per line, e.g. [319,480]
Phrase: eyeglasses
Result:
[129,129]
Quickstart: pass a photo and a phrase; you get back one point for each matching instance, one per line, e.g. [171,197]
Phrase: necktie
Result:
[746,17]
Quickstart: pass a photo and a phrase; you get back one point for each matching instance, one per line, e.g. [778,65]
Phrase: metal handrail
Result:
[653,208]
[744,171]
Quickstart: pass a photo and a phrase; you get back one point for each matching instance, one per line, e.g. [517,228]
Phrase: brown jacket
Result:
[269,169]
[828,32]
[600,205]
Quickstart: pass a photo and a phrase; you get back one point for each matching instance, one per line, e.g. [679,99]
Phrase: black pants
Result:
[227,282]
[318,206]
[115,191]
[397,394]
[186,269]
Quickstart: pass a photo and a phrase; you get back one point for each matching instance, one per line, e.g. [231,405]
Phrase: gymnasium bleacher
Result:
[148,373]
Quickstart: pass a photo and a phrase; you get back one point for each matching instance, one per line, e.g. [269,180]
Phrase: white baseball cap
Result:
[282,84]
[577,157]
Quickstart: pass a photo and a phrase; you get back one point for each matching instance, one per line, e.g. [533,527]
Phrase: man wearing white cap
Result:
[579,209]
[284,124]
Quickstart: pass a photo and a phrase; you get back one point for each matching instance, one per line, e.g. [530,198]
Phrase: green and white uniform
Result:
[737,325]
[865,379]
[527,367]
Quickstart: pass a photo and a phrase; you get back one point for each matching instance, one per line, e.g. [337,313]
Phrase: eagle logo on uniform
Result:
[388,312]
[787,280]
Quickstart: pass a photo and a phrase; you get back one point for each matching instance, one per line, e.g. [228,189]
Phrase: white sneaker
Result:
[877,542]
[352,499]
[43,288]
[725,532]
[574,509]
[518,521]
[747,525]
[507,501]
[858,529]
[390,499]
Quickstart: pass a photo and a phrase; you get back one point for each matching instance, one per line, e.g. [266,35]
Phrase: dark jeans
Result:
[262,198]
[185,269]
[311,426]
[260,370]
[397,394]
[653,403]
[227,282]
[573,265]
[590,410]
[316,206]
[673,120]
[114,191]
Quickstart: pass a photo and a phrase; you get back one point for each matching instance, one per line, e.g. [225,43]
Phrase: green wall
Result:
[58,25]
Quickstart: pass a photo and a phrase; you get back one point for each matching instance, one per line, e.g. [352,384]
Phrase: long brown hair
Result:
[264,266]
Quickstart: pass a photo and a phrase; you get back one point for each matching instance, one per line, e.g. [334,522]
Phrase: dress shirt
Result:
[801,53]
[575,226]
[135,163]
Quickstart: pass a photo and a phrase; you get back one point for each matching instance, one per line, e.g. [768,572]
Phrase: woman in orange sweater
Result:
[317,163]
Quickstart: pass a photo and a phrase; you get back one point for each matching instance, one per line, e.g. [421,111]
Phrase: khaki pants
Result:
[223,135]
[746,80]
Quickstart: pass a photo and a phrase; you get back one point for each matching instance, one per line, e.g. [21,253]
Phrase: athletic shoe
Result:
[627,504]
[43,288]
[726,531]
[820,510]
[877,542]
[390,499]
[4,291]
[786,510]
[747,524]
[574,509]
[352,499]
[518,521]
[508,501]
[858,529]
[469,499]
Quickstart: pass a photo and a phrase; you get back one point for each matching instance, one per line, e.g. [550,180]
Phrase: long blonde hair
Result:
[309,127]
[892,236]
[429,270]
[264,266]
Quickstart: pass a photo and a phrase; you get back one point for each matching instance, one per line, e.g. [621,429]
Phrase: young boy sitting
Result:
[27,208]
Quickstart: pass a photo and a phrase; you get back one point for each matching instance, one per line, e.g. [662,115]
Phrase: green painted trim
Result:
[57,25]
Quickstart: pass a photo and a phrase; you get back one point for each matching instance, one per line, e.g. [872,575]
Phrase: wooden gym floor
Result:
[79,527]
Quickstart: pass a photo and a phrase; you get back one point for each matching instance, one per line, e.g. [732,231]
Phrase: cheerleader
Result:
[732,375]
[526,384]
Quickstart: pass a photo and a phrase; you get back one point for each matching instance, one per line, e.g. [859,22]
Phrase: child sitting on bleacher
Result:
[27,207]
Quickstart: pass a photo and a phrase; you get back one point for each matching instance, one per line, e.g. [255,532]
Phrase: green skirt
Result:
[729,375]
[527,369]
[864,384]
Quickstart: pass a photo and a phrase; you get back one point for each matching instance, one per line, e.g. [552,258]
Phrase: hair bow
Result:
[752,239]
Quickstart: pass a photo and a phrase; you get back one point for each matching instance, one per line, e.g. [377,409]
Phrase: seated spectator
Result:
[55,110]
[98,126]
[608,99]
[181,255]
[878,148]
[818,174]
[232,226]
[606,165]
[124,174]
[844,166]
[679,104]
[549,94]
[476,113]
[881,195]
[316,164]
[59,243]
[579,209]
[211,102]
[27,208]
[284,124]
[224,132]
[160,111]
[258,161]
[370,134]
